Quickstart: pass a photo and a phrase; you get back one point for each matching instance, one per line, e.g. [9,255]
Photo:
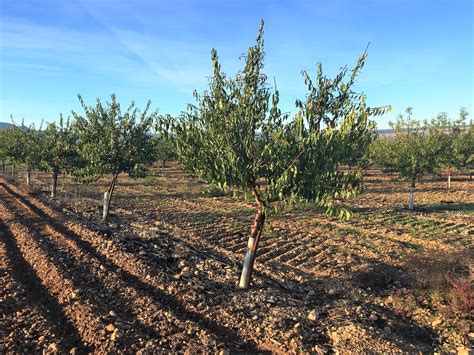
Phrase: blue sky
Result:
[421,52]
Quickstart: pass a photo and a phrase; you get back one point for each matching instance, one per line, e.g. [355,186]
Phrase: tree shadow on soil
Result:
[24,274]
[166,301]
[464,207]
[89,286]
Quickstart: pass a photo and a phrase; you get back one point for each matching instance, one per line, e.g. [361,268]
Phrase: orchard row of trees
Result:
[419,149]
[235,136]
[104,141]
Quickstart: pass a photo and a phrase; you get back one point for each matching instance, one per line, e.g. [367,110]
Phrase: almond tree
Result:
[165,149]
[415,154]
[11,147]
[32,141]
[236,136]
[3,147]
[463,150]
[112,142]
[382,154]
[60,151]
[444,134]
[22,145]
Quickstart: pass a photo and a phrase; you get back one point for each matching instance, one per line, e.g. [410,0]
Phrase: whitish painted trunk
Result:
[28,177]
[449,177]
[252,245]
[412,195]
[105,212]
[54,184]
[13,171]
[248,264]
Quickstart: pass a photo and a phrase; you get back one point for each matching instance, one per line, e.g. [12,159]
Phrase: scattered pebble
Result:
[313,315]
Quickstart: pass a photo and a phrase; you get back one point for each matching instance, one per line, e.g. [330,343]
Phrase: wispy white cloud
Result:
[29,46]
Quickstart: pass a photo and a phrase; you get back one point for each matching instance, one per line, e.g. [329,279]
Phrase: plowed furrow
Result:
[271,246]
[237,247]
[284,255]
[225,240]
[305,258]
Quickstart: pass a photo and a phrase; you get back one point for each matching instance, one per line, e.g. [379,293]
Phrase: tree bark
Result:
[253,242]
[54,184]
[163,164]
[3,166]
[13,171]
[108,198]
[28,177]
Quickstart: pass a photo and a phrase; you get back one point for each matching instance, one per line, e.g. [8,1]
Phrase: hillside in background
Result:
[4,125]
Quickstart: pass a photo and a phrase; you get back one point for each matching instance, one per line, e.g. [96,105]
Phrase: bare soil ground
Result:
[162,274]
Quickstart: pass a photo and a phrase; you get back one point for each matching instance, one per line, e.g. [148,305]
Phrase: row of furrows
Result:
[286,247]
[234,240]
[217,225]
[403,235]
[72,258]
[430,228]
[278,248]
[420,224]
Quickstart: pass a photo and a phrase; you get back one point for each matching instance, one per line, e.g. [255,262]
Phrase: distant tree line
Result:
[104,141]
[420,149]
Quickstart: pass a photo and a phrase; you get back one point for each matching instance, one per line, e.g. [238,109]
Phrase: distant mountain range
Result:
[4,125]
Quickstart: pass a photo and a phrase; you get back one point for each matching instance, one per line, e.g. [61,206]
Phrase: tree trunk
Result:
[3,166]
[105,211]
[28,177]
[13,171]
[449,177]
[108,198]
[252,245]
[163,164]
[54,184]
[412,194]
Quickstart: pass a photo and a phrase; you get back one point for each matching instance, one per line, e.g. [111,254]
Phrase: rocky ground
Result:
[161,275]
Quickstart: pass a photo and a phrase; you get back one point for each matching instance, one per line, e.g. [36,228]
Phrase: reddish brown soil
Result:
[161,275]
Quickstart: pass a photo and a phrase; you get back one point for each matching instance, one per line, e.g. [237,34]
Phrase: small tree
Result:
[3,152]
[237,136]
[22,145]
[112,143]
[415,155]
[32,146]
[60,151]
[443,135]
[165,149]
[463,147]
[11,146]
[381,153]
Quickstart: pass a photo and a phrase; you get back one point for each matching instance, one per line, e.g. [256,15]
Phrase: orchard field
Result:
[162,273]
[301,231]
